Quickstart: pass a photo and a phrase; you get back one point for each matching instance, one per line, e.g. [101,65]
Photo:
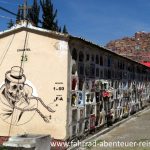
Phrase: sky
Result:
[98,21]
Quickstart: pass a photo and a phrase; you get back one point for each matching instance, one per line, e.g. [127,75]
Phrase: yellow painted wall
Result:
[45,69]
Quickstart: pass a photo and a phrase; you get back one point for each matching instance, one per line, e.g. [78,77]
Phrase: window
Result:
[109,74]
[120,74]
[92,58]
[87,69]
[116,85]
[80,99]
[118,65]
[92,111]
[74,115]
[74,130]
[105,61]
[87,57]
[112,73]
[81,82]
[97,72]
[81,56]
[81,68]
[101,74]
[97,59]
[112,83]
[74,69]
[109,61]
[81,113]
[123,66]
[101,60]
[92,70]
[74,99]
[88,108]
[105,86]
[87,99]
[74,83]
[74,54]
[105,74]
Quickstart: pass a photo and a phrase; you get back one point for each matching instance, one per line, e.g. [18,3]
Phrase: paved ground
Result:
[135,134]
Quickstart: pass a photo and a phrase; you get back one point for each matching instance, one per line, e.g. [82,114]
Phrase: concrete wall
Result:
[104,87]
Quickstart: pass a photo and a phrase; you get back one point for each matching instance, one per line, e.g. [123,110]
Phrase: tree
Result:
[65,30]
[49,20]
[59,30]
[49,15]
[10,23]
[34,13]
[19,14]
[18,18]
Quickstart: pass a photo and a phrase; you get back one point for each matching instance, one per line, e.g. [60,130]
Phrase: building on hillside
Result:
[136,47]
[65,86]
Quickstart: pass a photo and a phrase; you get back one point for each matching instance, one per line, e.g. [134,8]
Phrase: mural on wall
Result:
[16,99]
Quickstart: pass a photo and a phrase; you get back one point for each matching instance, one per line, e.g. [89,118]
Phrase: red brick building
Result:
[136,47]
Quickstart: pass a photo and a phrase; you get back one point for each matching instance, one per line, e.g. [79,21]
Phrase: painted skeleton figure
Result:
[19,95]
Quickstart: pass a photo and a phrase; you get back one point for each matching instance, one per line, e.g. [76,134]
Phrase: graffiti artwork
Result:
[16,99]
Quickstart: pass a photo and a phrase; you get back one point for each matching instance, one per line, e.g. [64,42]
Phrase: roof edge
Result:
[29,27]
[107,50]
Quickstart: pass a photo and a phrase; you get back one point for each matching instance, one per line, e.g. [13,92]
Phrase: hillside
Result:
[136,47]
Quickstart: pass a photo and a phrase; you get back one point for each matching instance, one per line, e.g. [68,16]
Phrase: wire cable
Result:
[21,67]
[3,58]
[25,43]
[12,13]
[7,49]
[6,10]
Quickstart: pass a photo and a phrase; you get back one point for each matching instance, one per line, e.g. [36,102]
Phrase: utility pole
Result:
[25,9]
